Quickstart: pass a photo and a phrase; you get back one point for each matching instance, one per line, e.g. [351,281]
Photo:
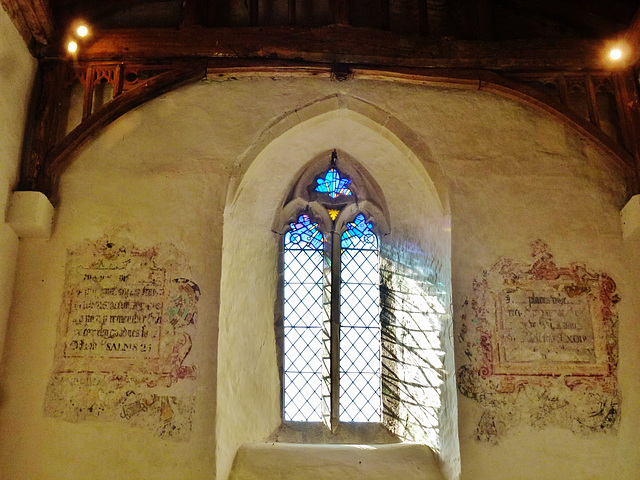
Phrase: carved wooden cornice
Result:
[132,83]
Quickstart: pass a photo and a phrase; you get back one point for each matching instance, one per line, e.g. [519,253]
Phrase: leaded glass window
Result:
[332,336]
[303,286]
[360,387]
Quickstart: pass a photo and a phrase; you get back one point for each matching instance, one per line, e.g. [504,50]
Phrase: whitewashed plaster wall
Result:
[17,69]
[246,323]
[165,172]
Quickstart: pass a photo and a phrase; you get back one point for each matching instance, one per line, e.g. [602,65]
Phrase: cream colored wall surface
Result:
[17,68]
[133,188]
[166,173]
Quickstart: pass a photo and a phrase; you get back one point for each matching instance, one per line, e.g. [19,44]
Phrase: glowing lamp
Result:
[82,31]
[72,47]
[615,54]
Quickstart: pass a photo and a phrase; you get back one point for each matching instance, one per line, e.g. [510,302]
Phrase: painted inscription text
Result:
[125,332]
[544,324]
[117,313]
[540,347]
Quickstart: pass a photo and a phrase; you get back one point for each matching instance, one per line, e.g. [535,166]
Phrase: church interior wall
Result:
[17,70]
[155,192]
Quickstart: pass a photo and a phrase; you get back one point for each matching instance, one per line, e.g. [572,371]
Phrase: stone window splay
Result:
[358,332]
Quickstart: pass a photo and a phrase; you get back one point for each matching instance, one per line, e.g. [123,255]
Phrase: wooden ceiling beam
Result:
[195,12]
[339,44]
[340,11]
[475,18]
[36,15]
[67,11]
[579,14]
[33,16]
[15,14]
[632,38]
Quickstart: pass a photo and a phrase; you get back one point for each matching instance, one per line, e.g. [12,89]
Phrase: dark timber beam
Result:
[385,22]
[584,16]
[438,14]
[254,12]
[632,38]
[69,10]
[291,12]
[630,119]
[189,13]
[423,20]
[33,19]
[339,44]
[15,14]
[340,10]
[628,91]
[476,18]
[34,175]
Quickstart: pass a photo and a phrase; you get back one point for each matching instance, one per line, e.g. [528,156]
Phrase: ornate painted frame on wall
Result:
[126,325]
[542,346]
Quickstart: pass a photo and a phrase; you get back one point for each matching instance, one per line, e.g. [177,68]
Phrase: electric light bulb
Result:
[615,54]
[72,47]
[82,31]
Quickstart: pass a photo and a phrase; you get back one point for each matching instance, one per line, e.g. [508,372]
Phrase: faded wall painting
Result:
[124,339]
[540,346]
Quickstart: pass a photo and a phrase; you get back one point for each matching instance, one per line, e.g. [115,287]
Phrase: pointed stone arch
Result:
[341,105]
[412,181]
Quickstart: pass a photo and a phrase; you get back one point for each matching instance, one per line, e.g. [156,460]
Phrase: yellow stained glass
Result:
[333,214]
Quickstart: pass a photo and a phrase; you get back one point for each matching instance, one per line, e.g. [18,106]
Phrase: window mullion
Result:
[335,329]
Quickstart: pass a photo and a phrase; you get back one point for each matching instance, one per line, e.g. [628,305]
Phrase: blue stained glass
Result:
[359,234]
[333,184]
[303,234]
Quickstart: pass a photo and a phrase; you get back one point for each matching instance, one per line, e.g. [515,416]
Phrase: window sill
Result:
[320,433]
[286,461]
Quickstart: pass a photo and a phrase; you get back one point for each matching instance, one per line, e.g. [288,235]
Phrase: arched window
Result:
[393,189]
[359,331]
[331,325]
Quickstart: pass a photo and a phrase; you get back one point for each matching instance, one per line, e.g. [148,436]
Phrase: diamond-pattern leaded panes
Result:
[303,321]
[360,342]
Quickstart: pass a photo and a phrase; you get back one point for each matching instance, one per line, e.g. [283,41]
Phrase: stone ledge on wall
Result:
[630,216]
[286,461]
[30,214]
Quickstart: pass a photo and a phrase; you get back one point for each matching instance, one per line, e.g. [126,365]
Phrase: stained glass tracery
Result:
[307,273]
[304,233]
[333,184]
[359,232]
